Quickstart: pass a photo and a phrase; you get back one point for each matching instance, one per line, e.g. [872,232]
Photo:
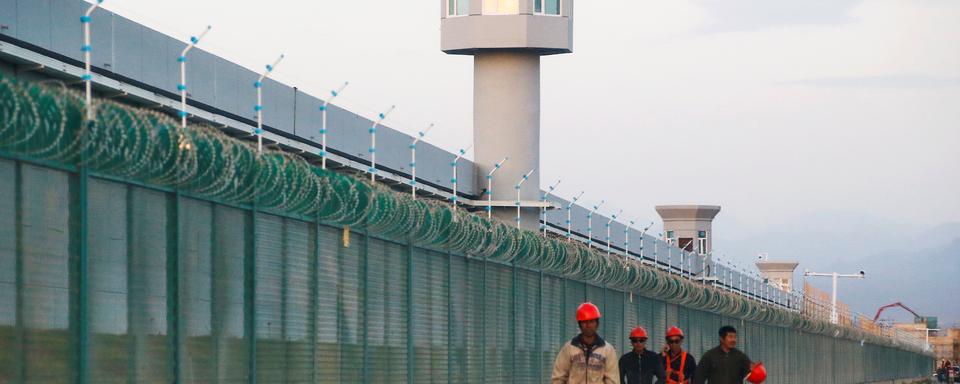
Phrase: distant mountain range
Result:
[917,266]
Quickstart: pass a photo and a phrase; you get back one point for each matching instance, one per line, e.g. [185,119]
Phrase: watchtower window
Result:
[458,7]
[546,7]
[501,7]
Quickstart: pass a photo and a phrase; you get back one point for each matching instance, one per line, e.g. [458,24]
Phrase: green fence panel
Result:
[328,305]
[148,306]
[270,276]
[574,293]
[108,269]
[526,362]
[195,287]
[229,302]
[350,315]
[614,322]
[388,306]
[460,326]
[49,251]
[429,323]
[184,256]
[473,299]
[552,320]
[498,305]
[9,313]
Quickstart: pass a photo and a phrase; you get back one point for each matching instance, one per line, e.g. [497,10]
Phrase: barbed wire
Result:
[45,122]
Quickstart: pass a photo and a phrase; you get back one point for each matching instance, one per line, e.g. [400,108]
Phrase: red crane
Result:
[897,304]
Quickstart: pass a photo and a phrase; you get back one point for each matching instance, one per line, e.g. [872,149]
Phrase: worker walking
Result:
[680,365]
[586,359]
[726,364]
[640,365]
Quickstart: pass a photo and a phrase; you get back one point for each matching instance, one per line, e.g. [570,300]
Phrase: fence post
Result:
[136,338]
[84,279]
[284,280]
[449,317]
[173,287]
[365,276]
[539,327]
[513,322]
[20,361]
[251,295]
[410,349]
[483,321]
[315,303]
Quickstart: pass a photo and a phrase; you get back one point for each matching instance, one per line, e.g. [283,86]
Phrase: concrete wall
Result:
[135,54]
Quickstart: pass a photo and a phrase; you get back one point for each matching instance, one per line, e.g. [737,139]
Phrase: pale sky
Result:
[777,110]
[769,108]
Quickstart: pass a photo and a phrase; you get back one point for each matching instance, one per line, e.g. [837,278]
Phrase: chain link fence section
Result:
[145,252]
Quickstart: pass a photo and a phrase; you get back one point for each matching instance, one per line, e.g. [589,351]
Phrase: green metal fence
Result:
[113,275]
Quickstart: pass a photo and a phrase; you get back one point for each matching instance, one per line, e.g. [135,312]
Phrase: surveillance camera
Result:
[863,274]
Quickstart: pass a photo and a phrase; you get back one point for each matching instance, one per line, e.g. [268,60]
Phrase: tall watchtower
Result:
[506,39]
[689,227]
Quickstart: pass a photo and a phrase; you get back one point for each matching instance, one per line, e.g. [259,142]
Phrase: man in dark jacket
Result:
[640,365]
[724,364]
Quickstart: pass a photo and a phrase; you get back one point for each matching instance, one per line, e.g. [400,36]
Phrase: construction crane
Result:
[916,318]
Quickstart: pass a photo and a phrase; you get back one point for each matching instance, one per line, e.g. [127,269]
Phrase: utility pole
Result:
[833,301]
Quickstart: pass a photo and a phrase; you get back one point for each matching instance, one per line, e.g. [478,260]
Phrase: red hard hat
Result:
[587,311]
[638,332]
[758,374]
[674,331]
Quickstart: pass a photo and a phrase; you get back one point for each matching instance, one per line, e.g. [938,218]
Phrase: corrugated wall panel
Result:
[298,333]
[149,250]
[8,270]
[270,276]
[526,362]
[429,317]
[34,25]
[328,305]
[325,311]
[307,117]
[475,330]
[553,318]
[498,355]
[195,277]
[460,323]
[227,87]
[351,316]
[154,59]
[201,75]
[127,49]
[612,329]
[8,18]
[631,320]
[229,317]
[110,344]
[387,312]
[574,293]
[49,355]
[277,105]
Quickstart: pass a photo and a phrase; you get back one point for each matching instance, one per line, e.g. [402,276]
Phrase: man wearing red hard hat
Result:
[726,364]
[640,365]
[680,365]
[586,359]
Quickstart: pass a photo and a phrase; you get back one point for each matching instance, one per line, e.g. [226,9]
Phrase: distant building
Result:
[946,344]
